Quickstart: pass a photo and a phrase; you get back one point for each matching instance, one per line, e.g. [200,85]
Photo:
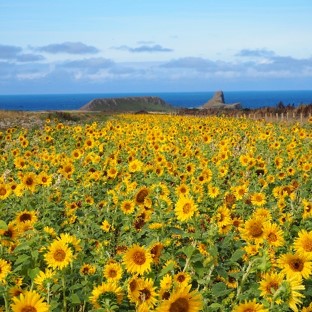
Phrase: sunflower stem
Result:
[64,294]
[5,303]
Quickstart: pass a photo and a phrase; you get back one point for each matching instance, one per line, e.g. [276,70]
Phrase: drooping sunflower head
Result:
[140,196]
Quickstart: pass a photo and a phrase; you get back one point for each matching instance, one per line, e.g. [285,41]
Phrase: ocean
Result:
[248,99]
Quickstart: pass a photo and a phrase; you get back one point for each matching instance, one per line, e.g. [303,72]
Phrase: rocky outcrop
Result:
[128,104]
[217,102]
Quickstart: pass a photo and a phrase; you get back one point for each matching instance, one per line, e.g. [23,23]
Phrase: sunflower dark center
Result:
[3,191]
[25,217]
[145,294]
[139,258]
[272,237]
[141,196]
[112,273]
[59,255]
[29,181]
[181,278]
[256,230]
[307,245]
[296,265]
[180,305]
[133,284]
[186,208]
[8,233]
[28,308]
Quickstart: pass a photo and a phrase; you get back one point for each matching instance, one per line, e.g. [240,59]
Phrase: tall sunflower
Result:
[29,301]
[29,181]
[270,283]
[297,264]
[303,243]
[250,306]
[137,259]
[106,291]
[59,255]
[185,208]
[253,230]
[182,300]
[112,271]
[5,269]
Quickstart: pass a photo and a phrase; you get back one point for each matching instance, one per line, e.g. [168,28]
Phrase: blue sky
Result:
[77,46]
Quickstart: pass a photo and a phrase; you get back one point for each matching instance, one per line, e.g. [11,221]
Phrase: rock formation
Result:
[217,102]
[128,104]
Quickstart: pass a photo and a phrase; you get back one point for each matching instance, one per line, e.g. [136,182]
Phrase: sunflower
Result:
[240,191]
[258,199]
[29,301]
[250,306]
[270,283]
[29,181]
[45,279]
[297,264]
[105,226]
[137,259]
[182,300]
[5,269]
[222,216]
[140,196]
[166,282]
[9,234]
[59,255]
[104,291]
[156,250]
[213,191]
[309,307]
[87,269]
[145,294]
[135,165]
[70,241]
[303,243]
[292,287]
[273,234]
[5,191]
[182,190]
[44,179]
[28,216]
[252,230]
[112,271]
[127,206]
[182,279]
[185,208]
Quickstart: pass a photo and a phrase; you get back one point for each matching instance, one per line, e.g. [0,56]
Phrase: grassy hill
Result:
[128,104]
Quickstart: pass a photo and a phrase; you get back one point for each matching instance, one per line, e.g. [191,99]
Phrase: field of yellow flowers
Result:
[156,213]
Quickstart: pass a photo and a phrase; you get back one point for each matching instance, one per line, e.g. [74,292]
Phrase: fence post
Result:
[301,117]
[276,116]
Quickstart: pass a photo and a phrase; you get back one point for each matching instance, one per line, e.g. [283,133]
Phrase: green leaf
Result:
[32,273]
[3,225]
[23,246]
[166,269]
[188,250]
[74,298]
[219,289]
[237,255]
[21,259]
[215,306]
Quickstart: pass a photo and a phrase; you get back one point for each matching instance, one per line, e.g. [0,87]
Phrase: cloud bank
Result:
[69,48]
[23,71]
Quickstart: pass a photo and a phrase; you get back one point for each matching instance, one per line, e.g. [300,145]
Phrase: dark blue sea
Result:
[248,99]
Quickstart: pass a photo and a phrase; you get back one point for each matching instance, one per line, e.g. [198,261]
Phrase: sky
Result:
[78,46]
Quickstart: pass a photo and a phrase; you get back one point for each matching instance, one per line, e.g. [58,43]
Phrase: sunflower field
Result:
[156,213]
